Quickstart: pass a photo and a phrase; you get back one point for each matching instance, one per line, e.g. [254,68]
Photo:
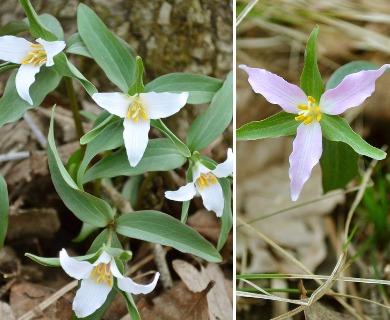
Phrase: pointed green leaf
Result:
[12,107]
[158,227]
[181,147]
[47,262]
[278,125]
[8,66]
[86,207]
[13,28]
[336,128]
[138,85]
[109,53]
[76,45]
[217,117]
[98,127]
[52,24]
[311,81]
[4,208]
[201,88]
[227,215]
[338,164]
[349,68]
[160,155]
[37,28]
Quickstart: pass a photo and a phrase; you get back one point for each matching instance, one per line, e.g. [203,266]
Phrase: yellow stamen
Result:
[37,56]
[310,112]
[205,179]
[102,272]
[137,109]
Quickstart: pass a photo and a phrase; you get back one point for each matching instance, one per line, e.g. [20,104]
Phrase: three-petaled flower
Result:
[97,280]
[205,182]
[137,111]
[307,146]
[31,57]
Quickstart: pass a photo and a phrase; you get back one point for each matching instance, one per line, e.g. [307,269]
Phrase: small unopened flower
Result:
[307,146]
[97,280]
[137,111]
[31,57]
[205,183]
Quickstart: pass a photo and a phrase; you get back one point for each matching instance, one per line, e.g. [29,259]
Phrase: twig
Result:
[122,204]
[245,11]
[14,156]
[162,266]
[34,128]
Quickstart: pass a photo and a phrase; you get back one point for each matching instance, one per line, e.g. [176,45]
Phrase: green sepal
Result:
[37,28]
[4,209]
[138,85]
[311,81]
[183,149]
[131,306]
[101,122]
[336,128]
[158,227]
[55,262]
[108,52]
[86,207]
[215,119]
[338,164]
[201,89]
[278,125]
[186,204]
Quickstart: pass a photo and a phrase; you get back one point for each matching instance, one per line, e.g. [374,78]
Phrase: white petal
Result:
[76,269]
[212,197]
[115,271]
[52,48]
[103,258]
[225,168]
[184,193]
[128,285]
[136,139]
[114,102]
[90,297]
[14,49]
[24,79]
[161,105]
[196,170]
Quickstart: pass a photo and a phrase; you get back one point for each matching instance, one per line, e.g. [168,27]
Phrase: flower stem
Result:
[109,238]
[75,110]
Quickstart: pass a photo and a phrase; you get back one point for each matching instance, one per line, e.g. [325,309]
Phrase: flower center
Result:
[37,56]
[137,109]
[102,272]
[309,112]
[205,179]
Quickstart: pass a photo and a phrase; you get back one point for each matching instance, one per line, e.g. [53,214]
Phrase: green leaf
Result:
[160,155]
[311,81]
[4,208]
[12,107]
[131,306]
[349,68]
[158,227]
[138,85]
[13,28]
[213,122]
[8,66]
[66,69]
[105,118]
[336,128]
[37,28]
[52,24]
[338,164]
[47,262]
[181,147]
[109,53]
[227,216]
[109,138]
[76,45]
[201,88]
[278,125]
[86,207]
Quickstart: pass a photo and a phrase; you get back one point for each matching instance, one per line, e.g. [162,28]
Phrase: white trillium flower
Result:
[205,183]
[31,57]
[137,111]
[97,281]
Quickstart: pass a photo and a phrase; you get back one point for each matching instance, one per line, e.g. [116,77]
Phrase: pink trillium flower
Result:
[31,57]
[205,183]
[307,145]
[137,111]
[97,280]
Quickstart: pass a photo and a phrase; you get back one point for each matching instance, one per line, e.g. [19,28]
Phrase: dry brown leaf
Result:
[220,306]
[206,223]
[176,304]
[318,311]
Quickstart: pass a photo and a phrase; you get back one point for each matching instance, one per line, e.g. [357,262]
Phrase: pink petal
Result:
[307,150]
[351,92]
[275,89]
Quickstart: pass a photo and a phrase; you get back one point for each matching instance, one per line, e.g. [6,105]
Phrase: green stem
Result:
[75,110]
[109,238]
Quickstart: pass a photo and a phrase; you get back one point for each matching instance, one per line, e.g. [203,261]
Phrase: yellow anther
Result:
[319,116]
[102,272]
[302,107]
[309,112]
[205,179]
[37,56]
[300,118]
[308,120]
[137,109]
[318,109]
[311,99]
